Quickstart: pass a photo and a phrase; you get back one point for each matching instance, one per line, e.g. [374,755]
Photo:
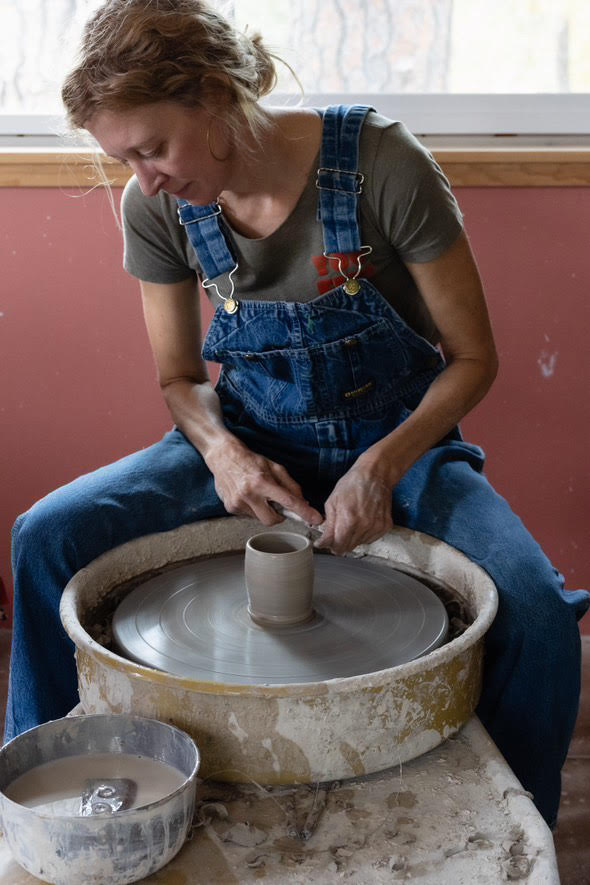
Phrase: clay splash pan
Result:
[193,621]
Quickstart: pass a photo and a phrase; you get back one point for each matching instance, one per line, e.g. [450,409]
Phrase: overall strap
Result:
[338,179]
[207,237]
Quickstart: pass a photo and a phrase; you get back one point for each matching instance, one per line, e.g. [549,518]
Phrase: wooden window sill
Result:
[467,167]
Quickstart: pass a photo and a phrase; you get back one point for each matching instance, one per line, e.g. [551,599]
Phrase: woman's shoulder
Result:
[155,248]
[132,196]
[135,204]
[384,140]
[391,157]
[407,192]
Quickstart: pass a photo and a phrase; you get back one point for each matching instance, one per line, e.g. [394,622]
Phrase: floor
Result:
[572,836]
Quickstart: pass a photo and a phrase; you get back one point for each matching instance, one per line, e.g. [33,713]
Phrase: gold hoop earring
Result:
[211,151]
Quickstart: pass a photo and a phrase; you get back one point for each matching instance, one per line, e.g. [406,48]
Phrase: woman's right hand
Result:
[247,482]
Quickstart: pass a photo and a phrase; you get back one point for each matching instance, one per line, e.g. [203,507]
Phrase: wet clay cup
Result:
[279,578]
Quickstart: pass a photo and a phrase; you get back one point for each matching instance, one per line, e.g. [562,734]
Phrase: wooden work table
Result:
[455,816]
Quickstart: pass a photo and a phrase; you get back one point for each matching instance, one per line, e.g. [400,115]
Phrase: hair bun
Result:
[265,71]
[137,52]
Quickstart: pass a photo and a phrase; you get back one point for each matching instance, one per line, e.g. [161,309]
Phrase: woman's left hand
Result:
[357,512]
[359,509]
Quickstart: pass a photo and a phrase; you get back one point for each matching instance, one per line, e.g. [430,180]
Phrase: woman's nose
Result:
[150,180]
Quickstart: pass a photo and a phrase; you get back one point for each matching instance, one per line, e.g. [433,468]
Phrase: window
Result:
[454,66]
[38,40]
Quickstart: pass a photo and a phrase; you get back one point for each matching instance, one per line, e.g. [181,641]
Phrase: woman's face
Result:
[165,144]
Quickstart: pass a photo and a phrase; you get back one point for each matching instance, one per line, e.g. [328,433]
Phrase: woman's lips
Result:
[182,191]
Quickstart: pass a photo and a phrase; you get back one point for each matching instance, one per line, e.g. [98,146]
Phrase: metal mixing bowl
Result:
[105,850]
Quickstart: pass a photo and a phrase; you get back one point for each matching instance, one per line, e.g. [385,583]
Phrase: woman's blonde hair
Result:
[136,52]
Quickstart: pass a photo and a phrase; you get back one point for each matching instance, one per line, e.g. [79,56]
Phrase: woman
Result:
[334,252]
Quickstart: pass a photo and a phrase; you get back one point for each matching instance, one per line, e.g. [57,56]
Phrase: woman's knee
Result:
[49,529]
[536,615]
[16,528]
[35,524]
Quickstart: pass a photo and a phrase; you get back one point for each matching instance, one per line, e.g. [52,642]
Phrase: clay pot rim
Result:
[284,553]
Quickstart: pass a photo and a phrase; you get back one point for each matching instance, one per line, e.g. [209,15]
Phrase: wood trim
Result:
[516,167]
[39,167]
[468,167]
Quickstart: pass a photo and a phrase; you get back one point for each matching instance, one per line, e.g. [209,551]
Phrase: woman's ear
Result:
[217,90]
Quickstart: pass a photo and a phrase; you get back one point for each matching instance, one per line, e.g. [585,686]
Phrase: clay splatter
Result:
[547,362]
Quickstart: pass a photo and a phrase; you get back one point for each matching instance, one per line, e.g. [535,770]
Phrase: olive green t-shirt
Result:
[407,214]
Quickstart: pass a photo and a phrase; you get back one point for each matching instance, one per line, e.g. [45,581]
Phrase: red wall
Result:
[78,386]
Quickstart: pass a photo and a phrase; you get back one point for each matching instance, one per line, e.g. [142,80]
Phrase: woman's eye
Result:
[149,155]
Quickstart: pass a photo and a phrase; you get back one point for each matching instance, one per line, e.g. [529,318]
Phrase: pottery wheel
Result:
[193,621]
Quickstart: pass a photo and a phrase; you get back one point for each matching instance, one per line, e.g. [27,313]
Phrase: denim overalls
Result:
[312,385]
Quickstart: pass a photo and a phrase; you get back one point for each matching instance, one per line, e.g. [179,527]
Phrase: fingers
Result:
[298,509]
[288,505]
[248,485]
[341,539]
[357,512]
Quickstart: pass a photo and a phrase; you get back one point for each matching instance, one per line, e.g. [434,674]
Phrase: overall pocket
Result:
[269,384]
[355,373]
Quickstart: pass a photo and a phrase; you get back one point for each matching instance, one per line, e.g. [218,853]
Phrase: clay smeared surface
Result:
[455,815]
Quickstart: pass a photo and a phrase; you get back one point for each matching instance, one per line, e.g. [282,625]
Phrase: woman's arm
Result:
[452,290]
[244,480]
[359,509]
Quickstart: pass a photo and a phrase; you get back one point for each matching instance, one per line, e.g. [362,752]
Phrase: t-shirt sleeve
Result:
[152,246]
[411,196]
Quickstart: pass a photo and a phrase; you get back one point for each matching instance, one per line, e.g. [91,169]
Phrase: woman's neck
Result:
[280,161]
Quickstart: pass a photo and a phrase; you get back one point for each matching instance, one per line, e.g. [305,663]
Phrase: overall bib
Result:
[315,382]
[311,385]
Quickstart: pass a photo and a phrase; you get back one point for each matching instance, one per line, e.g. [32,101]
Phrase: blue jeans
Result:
[157,489]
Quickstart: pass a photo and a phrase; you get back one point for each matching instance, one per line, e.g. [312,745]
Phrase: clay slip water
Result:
[55,788]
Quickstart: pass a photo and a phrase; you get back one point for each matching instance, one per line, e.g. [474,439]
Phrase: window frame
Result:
[463,115]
